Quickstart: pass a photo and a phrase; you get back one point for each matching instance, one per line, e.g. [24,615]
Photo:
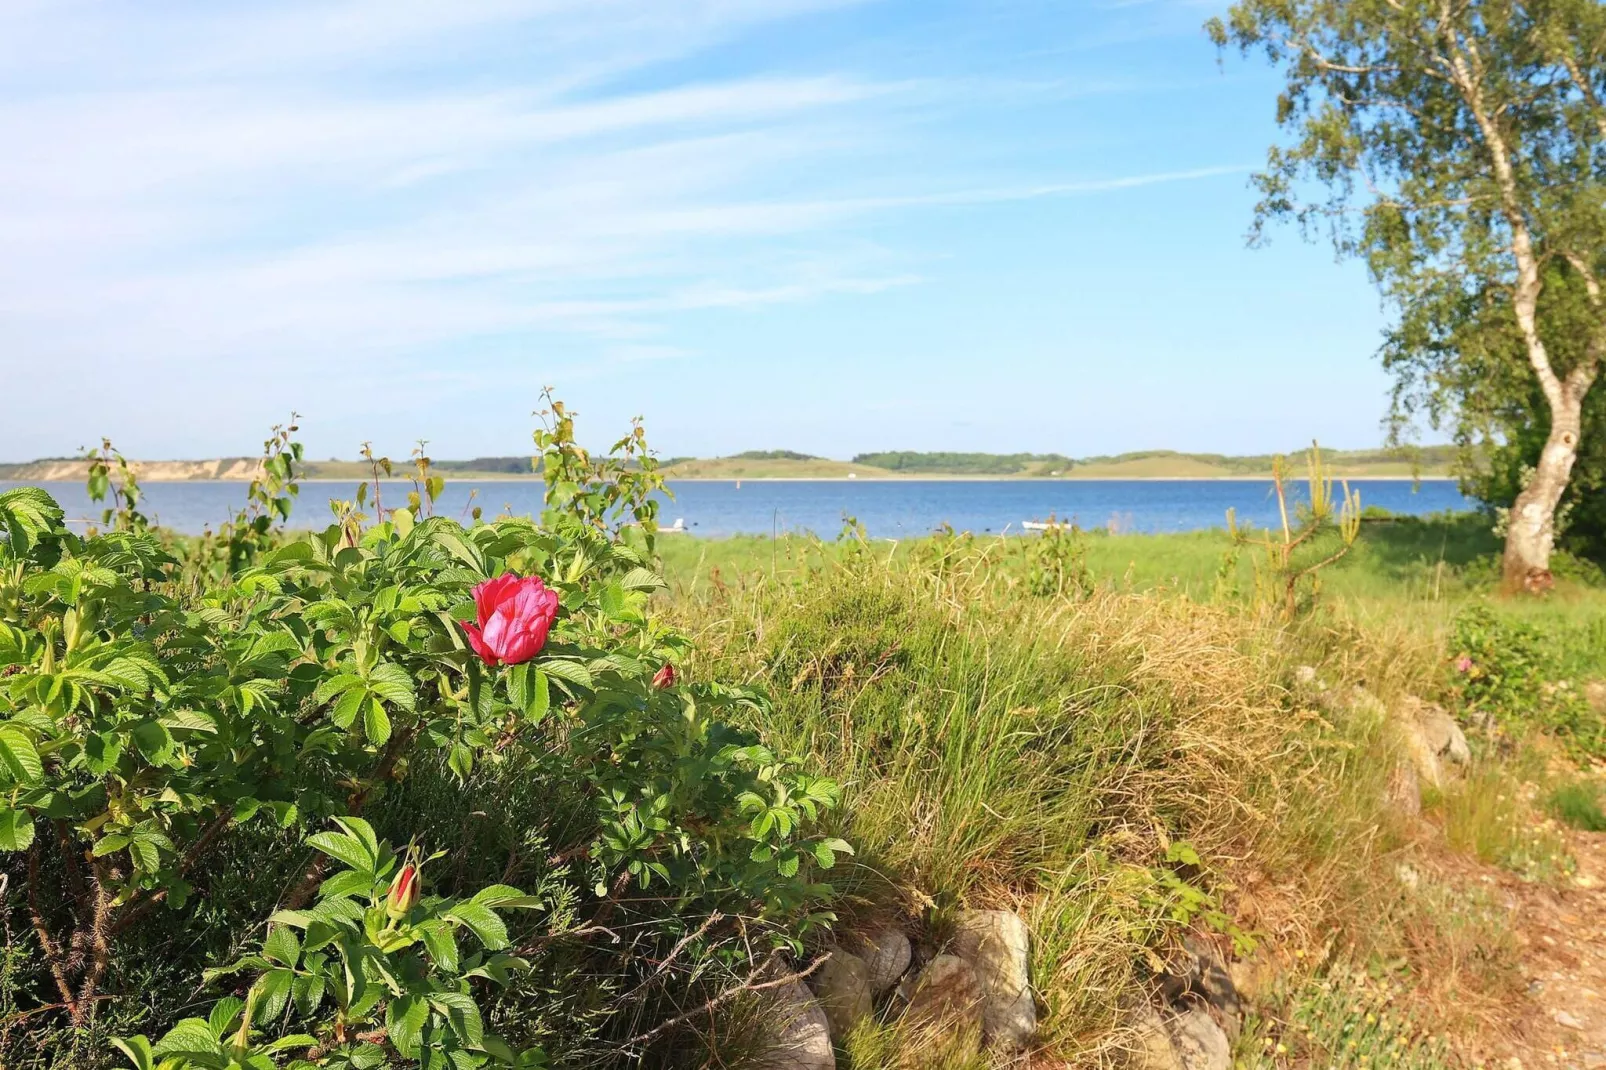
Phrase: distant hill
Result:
[968,464]
[790,464]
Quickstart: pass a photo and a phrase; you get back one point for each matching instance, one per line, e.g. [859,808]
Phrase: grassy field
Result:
[1042,749]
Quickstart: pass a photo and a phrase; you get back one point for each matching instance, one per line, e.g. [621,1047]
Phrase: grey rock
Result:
[997,945]
[842,987]
[887,953]
[1199,1042]
[1305,675]
[1201,976]
[1403,795]
[1567,1021]
[947,997]
[1150,1047]
[802,1038]
[1432,738]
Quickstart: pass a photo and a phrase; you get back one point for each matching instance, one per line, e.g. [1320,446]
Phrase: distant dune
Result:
[1431,461]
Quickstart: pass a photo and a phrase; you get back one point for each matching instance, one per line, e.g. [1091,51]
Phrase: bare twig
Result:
[751,984]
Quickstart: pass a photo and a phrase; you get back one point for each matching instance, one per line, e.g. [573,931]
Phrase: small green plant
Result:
[1508,669]
[1577,803]
[1347,1020]
[1289,562]
[1178,893]
[1059,562]
[377,973]
[111,475]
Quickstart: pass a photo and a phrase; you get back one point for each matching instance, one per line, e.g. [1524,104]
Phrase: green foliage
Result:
[350,984]
[772,455]
[155,711]
[1349,1020]
[1059,562]
[1510,670]
[1461,151]
[1289,562]
[1577,802]
[979,464]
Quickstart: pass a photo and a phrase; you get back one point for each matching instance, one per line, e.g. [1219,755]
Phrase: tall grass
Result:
[1042,753]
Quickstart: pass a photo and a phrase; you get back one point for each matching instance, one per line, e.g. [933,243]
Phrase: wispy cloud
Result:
[348,189]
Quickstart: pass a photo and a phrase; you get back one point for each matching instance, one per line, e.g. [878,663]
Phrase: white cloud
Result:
[343,188]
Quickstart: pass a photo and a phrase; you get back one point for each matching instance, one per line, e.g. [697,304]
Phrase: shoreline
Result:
[814,479]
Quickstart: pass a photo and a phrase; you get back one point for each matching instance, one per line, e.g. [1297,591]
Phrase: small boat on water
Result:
[1044,525]
[677,528]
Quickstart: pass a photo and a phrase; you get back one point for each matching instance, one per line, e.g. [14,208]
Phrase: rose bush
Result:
[168,707]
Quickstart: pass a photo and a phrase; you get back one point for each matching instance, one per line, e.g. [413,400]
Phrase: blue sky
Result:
[823,225]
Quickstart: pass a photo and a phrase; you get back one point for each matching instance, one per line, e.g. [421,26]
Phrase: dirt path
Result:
[1562,933]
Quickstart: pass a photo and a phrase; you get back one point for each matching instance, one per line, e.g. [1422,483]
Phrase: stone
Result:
[887,953]
[1200,1043]
[1151,1047]
[1403,795]
[1305,675]
[842,987]
[1431,738]
[946,995]
[1567,1021]
[997,945]
[802,1039]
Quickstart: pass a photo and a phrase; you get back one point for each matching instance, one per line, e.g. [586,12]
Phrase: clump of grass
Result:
[1487,815]
[1577,803]
[1041,754]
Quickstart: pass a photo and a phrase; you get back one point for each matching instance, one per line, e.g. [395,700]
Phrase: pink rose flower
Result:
[515,615]
[1463,664]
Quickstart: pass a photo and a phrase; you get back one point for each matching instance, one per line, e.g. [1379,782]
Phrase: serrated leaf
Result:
[482,921]
[391,683]
[568,671]
[138,1050]
[345,711]
[282,946]
[16,830]
[343,848]
[463,1014]
[504,896]
[273,993]
[224,1011]
[19,757]
[191,1036]
[642,579]
[376,723]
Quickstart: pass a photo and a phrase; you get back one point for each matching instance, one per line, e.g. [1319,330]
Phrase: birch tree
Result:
[1457,147]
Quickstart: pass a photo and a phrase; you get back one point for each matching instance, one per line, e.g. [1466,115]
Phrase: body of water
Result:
[890,509]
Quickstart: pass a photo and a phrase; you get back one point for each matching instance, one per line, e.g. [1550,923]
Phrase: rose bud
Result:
[403,893]
[665,677]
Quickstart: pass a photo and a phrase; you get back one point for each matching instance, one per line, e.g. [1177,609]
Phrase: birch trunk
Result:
[1531,531]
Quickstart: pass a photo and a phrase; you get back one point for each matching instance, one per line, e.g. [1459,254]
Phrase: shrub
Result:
[160,716]
[1510,670]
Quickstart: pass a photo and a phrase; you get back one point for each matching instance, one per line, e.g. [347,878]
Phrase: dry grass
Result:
[1043,753]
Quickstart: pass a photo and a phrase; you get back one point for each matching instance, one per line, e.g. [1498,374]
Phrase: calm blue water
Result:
[887,509]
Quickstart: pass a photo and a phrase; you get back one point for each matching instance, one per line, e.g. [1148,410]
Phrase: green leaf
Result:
[154,741]
[504,896]
[335,685]
[482,920]
[391,683]
[404,1024]
[282,946]
[569,671]
[16,830]
[191,1036]
[224,1011]
[345,711]
[642,579]
[273,992]
[463,1014]
[363,832]
[138,1050]
[18,757]
[376,723]
[346,883]
[343,849]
